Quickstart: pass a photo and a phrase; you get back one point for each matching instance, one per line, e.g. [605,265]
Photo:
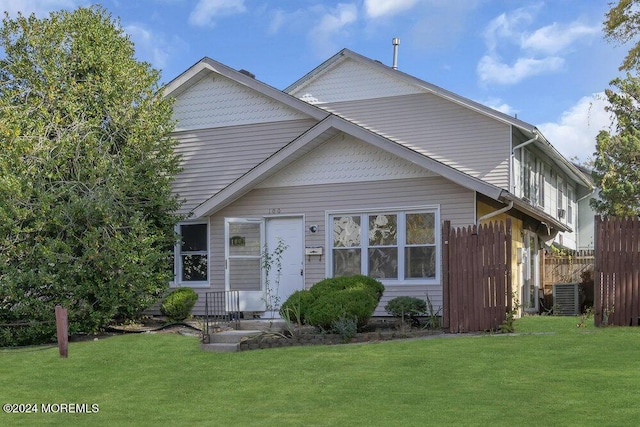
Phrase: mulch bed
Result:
[270,340]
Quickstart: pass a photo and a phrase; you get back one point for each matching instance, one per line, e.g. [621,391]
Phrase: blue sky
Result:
[544,61]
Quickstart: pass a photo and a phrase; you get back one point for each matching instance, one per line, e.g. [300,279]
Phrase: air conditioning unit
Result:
[561,213]
[566,299]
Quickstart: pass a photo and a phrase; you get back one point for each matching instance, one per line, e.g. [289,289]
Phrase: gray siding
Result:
[456,204]
[214,158]
[446,131]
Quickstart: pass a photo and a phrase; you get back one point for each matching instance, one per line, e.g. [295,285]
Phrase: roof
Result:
[207,65]
[318,134]
[529,130]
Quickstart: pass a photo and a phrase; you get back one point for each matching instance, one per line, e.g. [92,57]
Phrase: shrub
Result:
[405,307]
[346,282]
[328,301]
[345,327]
[178,304]
[296,306]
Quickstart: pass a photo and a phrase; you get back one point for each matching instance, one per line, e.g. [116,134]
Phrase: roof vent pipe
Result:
[396,43]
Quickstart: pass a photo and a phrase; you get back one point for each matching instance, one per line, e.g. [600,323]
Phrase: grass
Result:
[551,373]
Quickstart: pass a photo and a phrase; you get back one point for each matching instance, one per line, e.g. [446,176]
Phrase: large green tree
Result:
[86,165]
[617,159]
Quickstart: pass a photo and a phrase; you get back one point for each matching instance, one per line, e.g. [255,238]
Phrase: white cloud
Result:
[574,134]
[332,24]
[206,10]
[491,70]
[529,52]
[506,27]
[499,105]
[40,8]
[555,38]
[380,8]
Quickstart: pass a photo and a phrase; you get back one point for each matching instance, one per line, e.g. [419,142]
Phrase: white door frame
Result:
[295,255]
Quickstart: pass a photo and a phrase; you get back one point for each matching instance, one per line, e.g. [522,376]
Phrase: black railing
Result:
[222,309]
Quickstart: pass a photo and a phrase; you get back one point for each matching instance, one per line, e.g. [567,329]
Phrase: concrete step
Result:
[221,347]
[273,325]
[230,337]
[228,341]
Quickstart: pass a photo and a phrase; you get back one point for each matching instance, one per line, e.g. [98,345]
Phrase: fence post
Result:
[62,330]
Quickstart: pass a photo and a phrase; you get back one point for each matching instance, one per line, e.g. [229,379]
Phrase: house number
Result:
[274,211]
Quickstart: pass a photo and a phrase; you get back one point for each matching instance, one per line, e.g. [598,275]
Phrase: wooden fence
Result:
[617,271]
[569,267]
[477,276]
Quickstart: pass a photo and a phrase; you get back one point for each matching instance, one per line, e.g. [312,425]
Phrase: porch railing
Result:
[222,308]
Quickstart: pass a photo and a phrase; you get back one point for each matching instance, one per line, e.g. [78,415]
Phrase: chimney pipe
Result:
[395,42]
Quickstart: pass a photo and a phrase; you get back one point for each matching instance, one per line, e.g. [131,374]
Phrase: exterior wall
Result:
[586,225]
[351,80]
[448,132]
[214,158]
[217,101]
[553,178]
[456,204]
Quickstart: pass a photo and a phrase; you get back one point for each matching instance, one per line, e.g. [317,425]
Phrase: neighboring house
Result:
[586,215]
[355,167]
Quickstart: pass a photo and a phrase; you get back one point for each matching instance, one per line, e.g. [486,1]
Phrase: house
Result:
[354,167]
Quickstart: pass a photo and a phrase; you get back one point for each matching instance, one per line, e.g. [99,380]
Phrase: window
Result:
[570,205]
[192,254]
[541,181]
[532,178]
[385,245]
[561,198]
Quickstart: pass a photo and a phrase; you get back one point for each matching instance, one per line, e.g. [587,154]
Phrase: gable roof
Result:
[527,129]
[320,133]
[207,66]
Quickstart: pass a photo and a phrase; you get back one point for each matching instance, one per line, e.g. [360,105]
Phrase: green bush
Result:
[346,282]
[178,304]
[350,297]
[405,307]
[358,303]
[296,306]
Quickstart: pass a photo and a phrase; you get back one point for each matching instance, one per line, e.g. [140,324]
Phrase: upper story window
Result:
[399,245]
[192,255]
[570,198]
[532,178]
[561,201]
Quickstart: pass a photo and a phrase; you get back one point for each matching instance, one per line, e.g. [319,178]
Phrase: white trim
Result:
[177,258]
[397,210]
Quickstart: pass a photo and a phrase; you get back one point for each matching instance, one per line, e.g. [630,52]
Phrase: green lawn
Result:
[551,373]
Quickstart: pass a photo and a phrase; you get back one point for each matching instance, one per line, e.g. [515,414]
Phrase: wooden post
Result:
[62,330]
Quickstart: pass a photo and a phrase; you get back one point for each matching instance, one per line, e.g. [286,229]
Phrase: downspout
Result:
[495,213]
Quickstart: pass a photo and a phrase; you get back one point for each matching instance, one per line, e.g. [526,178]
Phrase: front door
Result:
[284,244]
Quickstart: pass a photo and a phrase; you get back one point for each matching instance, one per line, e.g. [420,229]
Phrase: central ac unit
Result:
[566,299]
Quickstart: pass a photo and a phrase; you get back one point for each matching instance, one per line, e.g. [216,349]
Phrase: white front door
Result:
[286,273]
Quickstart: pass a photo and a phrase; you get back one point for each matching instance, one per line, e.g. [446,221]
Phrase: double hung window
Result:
[192,261]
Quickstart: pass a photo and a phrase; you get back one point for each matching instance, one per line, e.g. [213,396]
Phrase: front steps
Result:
[229,341]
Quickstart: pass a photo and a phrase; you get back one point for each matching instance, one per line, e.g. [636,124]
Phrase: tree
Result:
[616,170]
[86,166]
